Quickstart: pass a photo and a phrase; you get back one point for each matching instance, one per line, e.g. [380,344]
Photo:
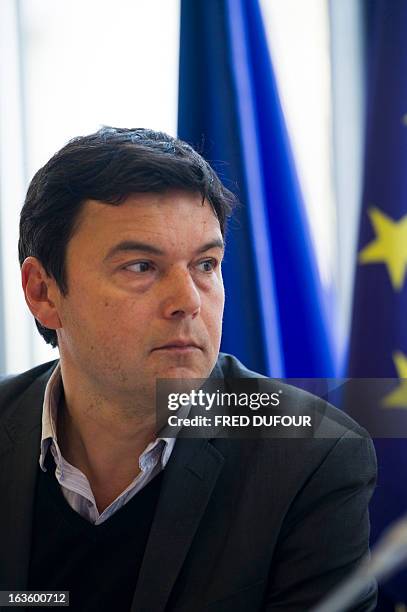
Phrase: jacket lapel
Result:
[189,479]
[20,439]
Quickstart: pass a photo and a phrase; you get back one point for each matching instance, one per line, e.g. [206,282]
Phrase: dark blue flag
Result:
[229,109]
[378,345]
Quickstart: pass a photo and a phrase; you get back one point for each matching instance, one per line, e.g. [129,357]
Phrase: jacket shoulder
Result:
[330,422]
[13,386]
[229,366]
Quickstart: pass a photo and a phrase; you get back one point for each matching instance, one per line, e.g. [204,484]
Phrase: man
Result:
[121,243]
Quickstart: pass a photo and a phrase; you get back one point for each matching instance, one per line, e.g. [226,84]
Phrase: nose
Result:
[183,298]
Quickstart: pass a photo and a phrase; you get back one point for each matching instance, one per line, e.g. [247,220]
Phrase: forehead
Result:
[165,219]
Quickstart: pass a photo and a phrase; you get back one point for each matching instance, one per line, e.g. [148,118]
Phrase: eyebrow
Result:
[145,247]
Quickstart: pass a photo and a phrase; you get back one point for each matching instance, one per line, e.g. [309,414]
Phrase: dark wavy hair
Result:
[107,166]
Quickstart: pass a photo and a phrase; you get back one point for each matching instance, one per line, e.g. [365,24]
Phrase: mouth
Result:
[179,346]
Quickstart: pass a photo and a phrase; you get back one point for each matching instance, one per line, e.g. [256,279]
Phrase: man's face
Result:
[145,292]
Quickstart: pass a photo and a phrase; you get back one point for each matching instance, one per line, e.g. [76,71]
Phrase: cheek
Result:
[99,319]
[215,302]
[125,319]
[218,299]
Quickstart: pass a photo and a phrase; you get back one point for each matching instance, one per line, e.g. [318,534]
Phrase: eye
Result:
[139,267]
[208,265]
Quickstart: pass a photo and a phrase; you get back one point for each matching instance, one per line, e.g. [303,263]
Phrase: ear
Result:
[41,293]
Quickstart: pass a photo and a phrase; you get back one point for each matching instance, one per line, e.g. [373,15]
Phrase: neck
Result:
[103,437]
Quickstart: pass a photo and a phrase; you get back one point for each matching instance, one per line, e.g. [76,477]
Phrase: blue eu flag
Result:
[378,345]
[229,109]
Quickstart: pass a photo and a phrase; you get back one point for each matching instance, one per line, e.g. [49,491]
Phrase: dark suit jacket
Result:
[241,525]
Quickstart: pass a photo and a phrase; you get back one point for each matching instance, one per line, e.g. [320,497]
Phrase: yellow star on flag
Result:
[398,397]
[389,246]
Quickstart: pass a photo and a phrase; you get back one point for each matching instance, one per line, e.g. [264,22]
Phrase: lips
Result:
[178,344]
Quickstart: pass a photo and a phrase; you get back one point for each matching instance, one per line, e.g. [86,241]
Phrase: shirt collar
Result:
[49,427]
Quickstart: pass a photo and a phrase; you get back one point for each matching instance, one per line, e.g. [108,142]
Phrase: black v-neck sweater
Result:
[98,565]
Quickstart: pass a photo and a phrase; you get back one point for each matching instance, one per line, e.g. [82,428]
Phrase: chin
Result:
[182,371]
